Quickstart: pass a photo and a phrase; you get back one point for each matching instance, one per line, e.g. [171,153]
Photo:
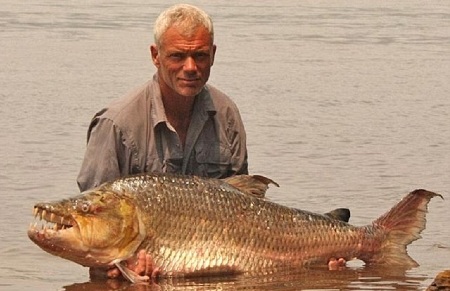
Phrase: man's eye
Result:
[176,56]
[201,56]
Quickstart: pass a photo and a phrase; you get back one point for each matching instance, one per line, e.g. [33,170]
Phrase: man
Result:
[173,123]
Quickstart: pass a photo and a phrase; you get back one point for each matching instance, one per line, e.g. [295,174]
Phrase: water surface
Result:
[345,104]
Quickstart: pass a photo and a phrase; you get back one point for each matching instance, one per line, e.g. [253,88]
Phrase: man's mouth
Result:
[190,80]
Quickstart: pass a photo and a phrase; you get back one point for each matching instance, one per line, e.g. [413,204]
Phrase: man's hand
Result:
[141,265]
[334,264]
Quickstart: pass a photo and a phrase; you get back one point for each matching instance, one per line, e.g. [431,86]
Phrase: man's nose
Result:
[190,64]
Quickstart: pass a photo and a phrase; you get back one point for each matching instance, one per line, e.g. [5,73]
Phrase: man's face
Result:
[183,61]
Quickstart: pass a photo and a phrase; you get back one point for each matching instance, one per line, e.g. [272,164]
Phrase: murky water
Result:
[346,104]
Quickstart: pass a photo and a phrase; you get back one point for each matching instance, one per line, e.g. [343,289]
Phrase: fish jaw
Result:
[94,229]
[62,237]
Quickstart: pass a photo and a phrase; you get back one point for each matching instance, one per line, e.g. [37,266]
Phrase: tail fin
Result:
[403,225]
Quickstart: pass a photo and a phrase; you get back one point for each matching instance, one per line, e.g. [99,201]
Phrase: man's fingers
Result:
[342,262]
[334,264]
[148,265]
[141,263]
[113,273]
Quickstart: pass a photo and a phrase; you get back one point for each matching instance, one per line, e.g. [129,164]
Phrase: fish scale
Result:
[193,226]
[260,241]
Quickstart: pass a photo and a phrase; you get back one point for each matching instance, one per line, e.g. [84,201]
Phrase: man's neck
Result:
[178,112]
[178,107]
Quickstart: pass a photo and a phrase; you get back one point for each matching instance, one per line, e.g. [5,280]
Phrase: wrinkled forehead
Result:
[191,36]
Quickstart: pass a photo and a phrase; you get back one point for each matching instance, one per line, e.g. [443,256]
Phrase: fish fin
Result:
[130,275]
[254,185]
[342,214]
[403,225]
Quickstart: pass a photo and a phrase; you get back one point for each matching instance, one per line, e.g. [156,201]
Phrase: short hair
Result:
[186,17]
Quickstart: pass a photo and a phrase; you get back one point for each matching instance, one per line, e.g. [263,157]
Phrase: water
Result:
[345,104]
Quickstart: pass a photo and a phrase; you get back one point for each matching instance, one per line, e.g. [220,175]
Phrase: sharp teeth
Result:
[35,212]
[55,227]
[44,214]
[52,217]
[62,220]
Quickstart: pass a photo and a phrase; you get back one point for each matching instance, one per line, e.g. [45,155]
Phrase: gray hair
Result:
[185,17]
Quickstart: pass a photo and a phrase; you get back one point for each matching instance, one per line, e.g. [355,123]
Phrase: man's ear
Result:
[155,55]
[214,48]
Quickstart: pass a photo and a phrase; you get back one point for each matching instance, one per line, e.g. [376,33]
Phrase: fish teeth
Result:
[43,214]
[52,217]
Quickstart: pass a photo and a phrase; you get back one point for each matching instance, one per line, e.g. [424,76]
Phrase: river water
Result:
[346,104]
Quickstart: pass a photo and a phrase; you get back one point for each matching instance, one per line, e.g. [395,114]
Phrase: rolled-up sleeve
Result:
[239,154]
[101,161]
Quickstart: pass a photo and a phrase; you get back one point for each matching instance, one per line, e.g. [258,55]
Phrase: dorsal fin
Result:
[254,185]
[342,214]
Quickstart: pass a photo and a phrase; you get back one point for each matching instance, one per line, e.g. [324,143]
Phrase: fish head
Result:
[93,229]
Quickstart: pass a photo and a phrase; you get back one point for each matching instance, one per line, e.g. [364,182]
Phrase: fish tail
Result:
[402,225]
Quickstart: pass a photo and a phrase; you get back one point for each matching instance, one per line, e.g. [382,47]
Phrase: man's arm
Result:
[239,153]
[101,159]
[239,156]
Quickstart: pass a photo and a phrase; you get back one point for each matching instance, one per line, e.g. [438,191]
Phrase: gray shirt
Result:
[133,135]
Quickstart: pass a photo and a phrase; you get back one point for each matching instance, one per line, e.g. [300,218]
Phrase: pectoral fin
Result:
[130,275]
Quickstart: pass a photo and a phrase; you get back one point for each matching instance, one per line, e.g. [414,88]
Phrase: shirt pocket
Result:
[213,161]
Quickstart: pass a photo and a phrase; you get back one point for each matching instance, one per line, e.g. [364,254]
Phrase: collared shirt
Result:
[132,135]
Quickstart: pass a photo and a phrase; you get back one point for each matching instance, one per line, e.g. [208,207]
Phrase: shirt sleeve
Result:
[239,155]
[101,161]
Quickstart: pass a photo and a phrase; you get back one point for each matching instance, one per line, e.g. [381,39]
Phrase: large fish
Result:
[200,226]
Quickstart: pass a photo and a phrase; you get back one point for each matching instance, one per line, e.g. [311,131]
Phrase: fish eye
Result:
[85,206]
